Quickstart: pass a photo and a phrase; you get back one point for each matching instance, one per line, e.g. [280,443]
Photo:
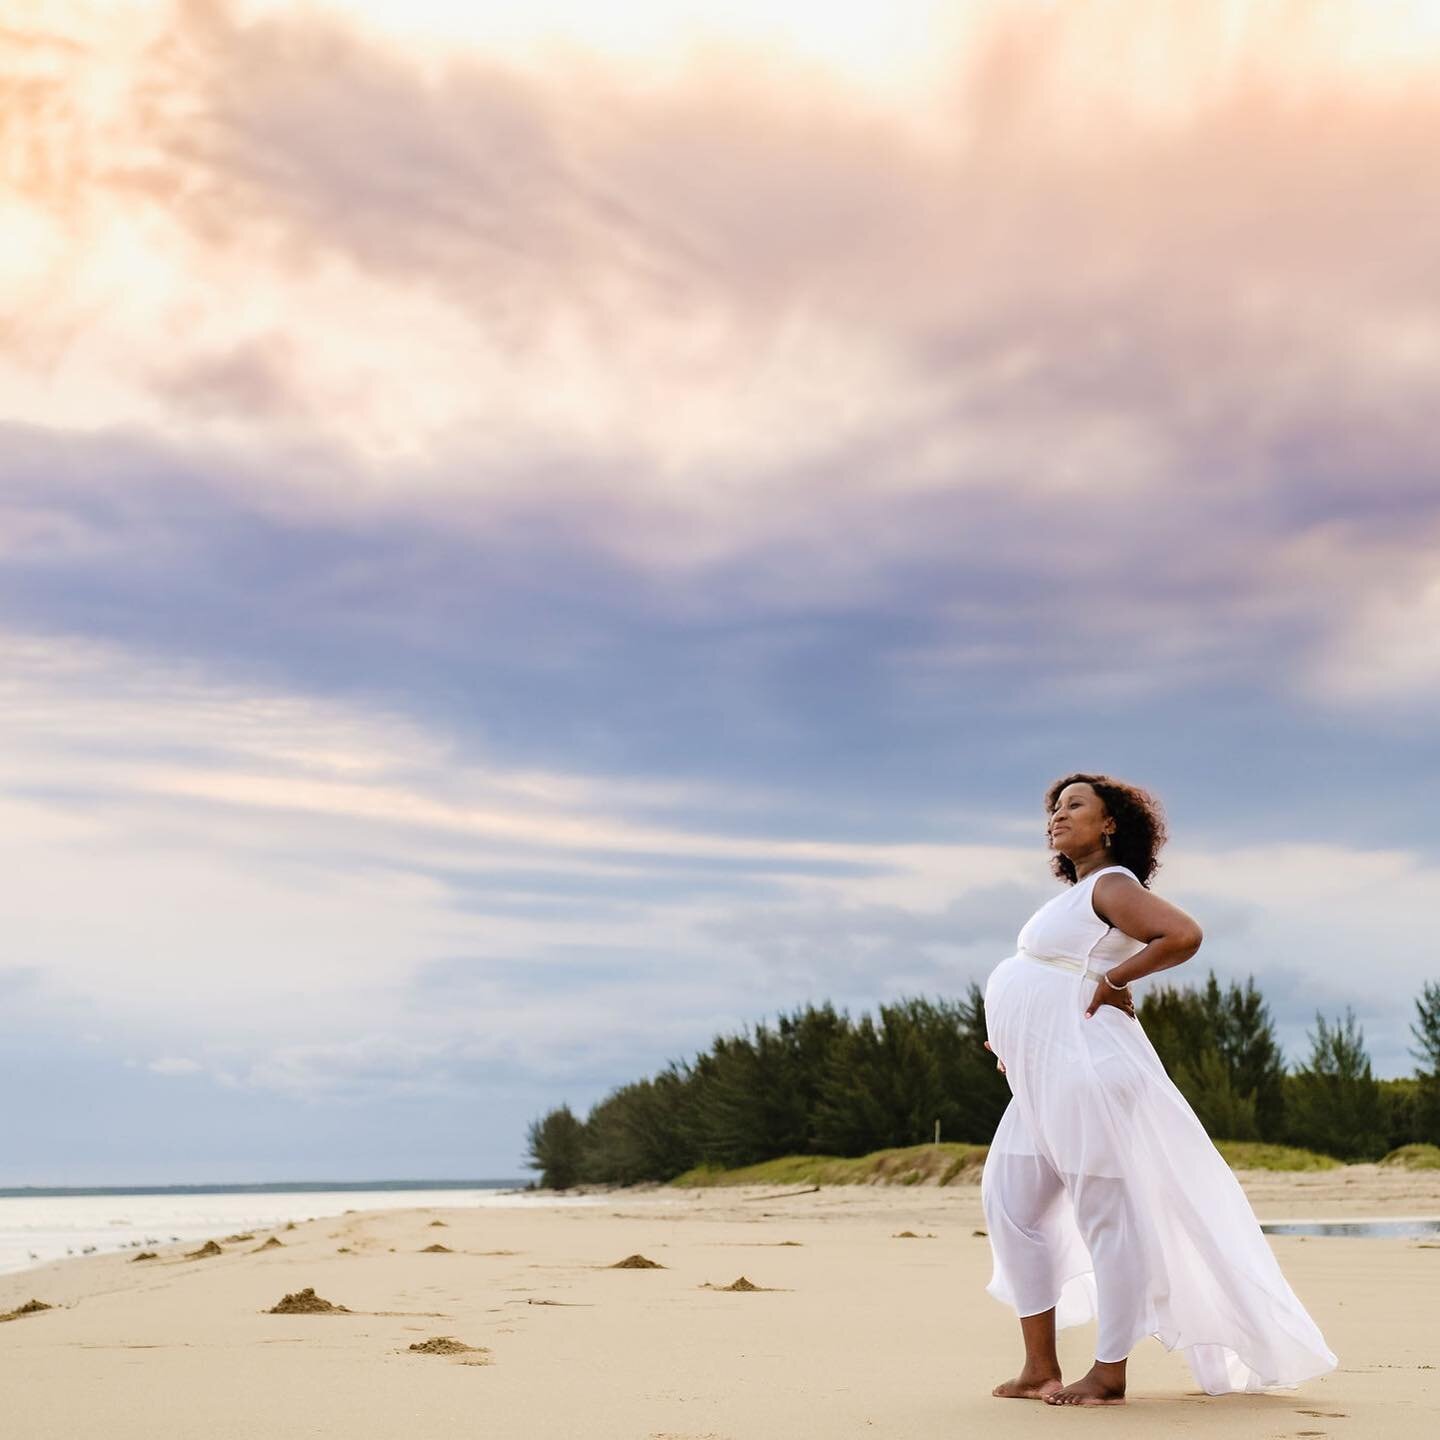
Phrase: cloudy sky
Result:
[528,542]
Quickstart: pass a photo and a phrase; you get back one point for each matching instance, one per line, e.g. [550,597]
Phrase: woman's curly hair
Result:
[1139,825]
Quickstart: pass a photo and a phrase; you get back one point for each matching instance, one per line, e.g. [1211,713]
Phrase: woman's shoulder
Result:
[1124,876]
[1104,870]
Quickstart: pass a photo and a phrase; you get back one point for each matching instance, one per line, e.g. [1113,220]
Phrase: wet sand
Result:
[528,1327]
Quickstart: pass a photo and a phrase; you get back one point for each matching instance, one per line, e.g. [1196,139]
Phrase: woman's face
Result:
[1078,823]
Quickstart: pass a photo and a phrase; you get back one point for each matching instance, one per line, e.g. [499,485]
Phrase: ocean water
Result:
[36,1226]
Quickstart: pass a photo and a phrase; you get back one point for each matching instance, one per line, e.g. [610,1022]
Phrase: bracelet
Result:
[1113,985]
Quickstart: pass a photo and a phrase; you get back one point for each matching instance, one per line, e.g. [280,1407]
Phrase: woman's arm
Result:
[1171,936]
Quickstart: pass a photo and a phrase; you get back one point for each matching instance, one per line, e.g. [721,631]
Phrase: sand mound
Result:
[911,1235]
[290,1225]
[437,1250]
[208,1249]
[445,1345]
[271,1244]
[30,1307]
[144,1255]
[443,1226]
[636,1262]
[741,1284]
[306,1302]
[237,1239]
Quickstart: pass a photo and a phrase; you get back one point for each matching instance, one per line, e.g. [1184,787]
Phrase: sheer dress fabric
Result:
[1103,1195]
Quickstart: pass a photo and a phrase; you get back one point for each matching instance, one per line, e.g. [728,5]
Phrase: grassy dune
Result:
[1257,1155]
[1415,1157]
[961,1164]
[914,1165]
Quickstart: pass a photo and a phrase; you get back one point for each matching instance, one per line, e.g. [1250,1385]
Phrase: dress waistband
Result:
[1065,962]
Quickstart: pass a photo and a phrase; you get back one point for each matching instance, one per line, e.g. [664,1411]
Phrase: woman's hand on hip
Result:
[999,1063]
[1106,994]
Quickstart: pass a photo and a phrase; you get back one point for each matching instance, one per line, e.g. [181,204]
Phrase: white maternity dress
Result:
[1103,1194]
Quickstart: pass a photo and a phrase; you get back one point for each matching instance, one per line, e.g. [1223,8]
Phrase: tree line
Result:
[816,1082]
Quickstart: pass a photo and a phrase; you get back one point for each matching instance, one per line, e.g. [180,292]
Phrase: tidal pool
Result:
[1401,1229]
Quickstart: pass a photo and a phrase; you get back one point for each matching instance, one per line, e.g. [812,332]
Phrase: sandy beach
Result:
[855,1329]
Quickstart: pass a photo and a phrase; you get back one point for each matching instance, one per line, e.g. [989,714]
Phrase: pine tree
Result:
[1226,1114]
[1251,1052]
[639,1132]
[869,1090]
[755,1099]
[556,1145]
[1400,1101]
[734,1095]
[889,1083]
[1334,1103]
[1426,1031]
[1174,1018]
[1220,1049]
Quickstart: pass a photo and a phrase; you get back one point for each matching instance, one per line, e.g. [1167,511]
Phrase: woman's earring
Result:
[1107,839]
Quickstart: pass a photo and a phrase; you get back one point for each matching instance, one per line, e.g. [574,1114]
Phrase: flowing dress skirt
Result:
[1104,1196]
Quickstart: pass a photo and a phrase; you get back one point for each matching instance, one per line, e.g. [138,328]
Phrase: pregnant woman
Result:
[1103,1194]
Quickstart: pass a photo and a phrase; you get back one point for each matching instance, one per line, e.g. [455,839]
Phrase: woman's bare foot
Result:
[1029,1385]
[1102,1386]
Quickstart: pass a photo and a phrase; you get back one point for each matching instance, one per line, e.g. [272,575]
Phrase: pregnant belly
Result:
[1004,1005]
[1033,1017]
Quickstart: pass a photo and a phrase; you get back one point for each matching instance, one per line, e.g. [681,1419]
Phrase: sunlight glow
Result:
[881,45]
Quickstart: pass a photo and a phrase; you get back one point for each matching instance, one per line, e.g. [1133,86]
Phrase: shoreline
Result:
[35,1229]
[266,1187]
[1353,1193]
[869,1318]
